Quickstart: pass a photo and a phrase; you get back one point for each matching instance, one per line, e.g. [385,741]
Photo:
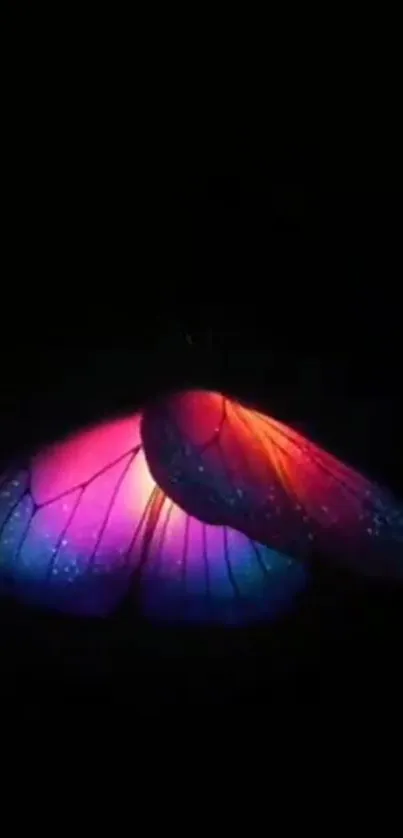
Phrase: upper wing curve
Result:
[229,464]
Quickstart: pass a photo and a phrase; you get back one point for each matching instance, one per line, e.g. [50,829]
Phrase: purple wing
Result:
[85,523]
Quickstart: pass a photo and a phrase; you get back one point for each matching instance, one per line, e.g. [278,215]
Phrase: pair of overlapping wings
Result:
[201,509]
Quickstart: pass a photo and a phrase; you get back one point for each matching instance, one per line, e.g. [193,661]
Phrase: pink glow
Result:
[100,526]
[63,465]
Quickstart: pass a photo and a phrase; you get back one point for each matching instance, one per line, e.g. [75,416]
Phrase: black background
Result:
[255,257]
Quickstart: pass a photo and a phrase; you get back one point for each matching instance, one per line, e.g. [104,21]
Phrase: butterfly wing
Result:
[85,523]
[228,464]
[68,519]
[196,572]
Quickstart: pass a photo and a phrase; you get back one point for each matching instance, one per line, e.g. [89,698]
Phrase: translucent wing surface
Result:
[228,464]
[85,523]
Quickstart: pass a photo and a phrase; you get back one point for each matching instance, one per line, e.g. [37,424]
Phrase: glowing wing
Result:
[228,464]
[85,523]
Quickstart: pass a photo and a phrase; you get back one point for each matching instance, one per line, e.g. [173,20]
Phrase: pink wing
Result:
[85,522]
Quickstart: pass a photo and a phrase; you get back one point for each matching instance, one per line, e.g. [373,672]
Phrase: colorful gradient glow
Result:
[199,510]
[85,524]
[228,464]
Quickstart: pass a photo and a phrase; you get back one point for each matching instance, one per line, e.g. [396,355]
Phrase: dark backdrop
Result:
[268,267]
